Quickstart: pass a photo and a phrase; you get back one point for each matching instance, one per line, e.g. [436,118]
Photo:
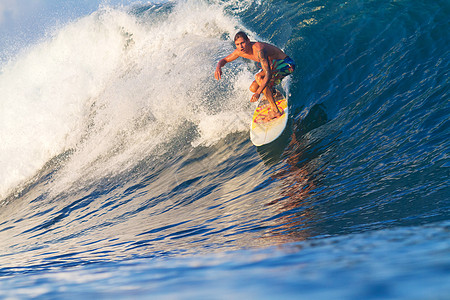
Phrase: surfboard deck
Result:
[263,131]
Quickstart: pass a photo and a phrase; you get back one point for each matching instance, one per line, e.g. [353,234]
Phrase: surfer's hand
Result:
[218,73]
[255,97]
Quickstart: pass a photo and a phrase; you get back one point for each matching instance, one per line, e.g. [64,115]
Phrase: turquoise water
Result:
[127,169]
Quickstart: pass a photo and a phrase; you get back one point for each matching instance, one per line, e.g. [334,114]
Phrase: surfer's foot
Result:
[273,114]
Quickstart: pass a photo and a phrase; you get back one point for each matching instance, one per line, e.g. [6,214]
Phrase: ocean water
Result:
[126,169]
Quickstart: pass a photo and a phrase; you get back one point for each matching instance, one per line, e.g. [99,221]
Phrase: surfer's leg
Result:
[254,87]
[281,69]
[255,84]
[274,112]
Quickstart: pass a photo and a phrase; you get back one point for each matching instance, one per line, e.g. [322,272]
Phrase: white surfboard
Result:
[263,131]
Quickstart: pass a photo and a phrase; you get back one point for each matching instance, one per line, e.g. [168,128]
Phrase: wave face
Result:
[120,151]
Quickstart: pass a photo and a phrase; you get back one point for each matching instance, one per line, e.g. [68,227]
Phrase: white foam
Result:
[112,86]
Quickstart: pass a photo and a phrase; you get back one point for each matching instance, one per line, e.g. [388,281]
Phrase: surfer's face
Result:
[241,44]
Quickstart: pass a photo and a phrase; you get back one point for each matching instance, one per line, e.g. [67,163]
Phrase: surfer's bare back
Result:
[274,62]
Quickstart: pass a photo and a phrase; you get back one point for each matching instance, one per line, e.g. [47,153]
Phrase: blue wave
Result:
[150,180]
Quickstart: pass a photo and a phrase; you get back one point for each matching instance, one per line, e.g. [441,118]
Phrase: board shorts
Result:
[281,68]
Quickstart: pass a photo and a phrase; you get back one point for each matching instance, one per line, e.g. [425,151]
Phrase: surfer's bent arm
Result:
[264,61]
[223,62]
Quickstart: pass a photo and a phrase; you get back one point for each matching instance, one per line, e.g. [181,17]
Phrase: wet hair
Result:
[241,34]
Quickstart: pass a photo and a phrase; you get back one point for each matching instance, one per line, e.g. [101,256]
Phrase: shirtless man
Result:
[274,62]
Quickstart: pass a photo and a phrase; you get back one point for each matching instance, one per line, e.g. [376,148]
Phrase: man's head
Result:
[241,34]
[242,41]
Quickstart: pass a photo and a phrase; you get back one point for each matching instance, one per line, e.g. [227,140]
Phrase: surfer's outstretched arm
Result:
[223,62]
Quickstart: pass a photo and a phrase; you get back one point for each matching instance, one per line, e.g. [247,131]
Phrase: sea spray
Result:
[113,85]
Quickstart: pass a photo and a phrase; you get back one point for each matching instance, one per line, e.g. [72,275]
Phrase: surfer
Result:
[275,65]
